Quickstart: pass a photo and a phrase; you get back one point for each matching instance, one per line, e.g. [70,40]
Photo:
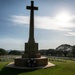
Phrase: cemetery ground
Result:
[64,66]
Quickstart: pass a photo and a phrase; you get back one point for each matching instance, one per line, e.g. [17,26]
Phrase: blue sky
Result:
[54,23]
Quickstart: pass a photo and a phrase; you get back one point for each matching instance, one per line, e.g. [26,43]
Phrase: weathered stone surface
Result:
[24,61]
[11,65]
[36,55]
[31,47]
[31,51]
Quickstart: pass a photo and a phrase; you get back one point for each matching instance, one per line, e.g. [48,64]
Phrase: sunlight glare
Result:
[63,17]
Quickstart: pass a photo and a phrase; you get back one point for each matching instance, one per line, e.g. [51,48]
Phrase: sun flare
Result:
[63,17]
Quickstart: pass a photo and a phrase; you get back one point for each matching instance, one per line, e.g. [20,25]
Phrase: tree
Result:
[65,48]
[15,52]
[3,51]
[51,52]
[59,53]
[65,51]
[73,50]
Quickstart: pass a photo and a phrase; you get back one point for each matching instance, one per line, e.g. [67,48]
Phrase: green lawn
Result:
[61,68]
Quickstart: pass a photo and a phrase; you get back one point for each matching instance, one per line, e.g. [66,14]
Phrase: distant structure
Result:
[31,59]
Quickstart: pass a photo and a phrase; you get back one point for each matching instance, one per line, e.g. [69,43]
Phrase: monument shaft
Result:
[31,30]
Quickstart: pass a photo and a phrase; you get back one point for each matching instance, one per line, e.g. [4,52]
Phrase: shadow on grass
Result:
[12,71]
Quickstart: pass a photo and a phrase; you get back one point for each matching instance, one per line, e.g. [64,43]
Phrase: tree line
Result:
[11,52]
[65,50]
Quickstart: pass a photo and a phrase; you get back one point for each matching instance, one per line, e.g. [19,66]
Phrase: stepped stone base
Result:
[23,62]
[27,55]
[11,65]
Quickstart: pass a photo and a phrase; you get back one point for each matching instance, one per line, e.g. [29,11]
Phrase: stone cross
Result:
[31,47]
[31,30]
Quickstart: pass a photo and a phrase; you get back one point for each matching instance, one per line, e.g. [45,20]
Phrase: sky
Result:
[54,23]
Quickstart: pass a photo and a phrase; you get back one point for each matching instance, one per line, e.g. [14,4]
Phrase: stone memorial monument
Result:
[31,48]
[31,57]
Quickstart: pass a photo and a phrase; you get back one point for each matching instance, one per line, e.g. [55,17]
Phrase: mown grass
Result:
[2,65]
[61,68]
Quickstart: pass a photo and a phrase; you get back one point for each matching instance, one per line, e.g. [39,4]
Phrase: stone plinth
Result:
[11,65]
[27,55]
[31,47]
[24,61]
[31,50]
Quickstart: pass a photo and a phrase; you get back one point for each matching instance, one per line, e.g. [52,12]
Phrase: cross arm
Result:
[31,8]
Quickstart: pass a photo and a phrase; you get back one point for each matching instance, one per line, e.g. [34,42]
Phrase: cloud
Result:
[51,23]
[70,34]
[46,22]
[19,20]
